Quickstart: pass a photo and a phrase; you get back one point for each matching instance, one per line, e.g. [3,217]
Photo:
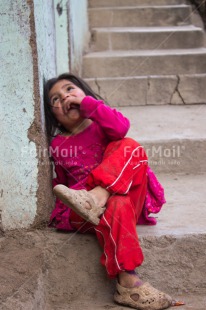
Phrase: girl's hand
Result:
[72,99]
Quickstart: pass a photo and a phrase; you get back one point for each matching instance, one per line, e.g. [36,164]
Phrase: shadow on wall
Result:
[201,7]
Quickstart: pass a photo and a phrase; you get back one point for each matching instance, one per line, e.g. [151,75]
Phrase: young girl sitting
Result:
[101,183]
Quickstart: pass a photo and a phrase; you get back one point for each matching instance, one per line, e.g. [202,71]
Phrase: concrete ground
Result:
[163,122]
[193,302]
[44,270]
[48,270]
[185,211]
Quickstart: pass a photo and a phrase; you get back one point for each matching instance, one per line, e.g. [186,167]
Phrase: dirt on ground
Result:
[50,270]
[43,269]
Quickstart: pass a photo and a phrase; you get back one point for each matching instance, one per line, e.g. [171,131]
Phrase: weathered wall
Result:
[62,35]
[44,67]
[72,34]
[26,56]
[78,33]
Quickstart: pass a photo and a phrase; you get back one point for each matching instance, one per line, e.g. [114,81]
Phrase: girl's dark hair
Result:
[52,124]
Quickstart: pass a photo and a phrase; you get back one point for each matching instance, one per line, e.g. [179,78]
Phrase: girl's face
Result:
[65,99]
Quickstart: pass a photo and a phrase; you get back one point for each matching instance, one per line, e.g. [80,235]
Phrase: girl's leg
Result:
[117,235]
[123,173]
[122,161]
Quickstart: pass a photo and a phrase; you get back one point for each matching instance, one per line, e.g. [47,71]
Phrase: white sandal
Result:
[75,199]
[149,298]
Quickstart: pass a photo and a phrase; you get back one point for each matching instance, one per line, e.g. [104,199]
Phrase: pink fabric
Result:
[114,124]
[154,199]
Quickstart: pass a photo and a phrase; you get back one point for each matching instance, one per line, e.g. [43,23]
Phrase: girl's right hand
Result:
[75,99]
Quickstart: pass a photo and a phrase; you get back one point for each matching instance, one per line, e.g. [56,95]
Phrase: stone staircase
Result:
[145,52]
[46,270]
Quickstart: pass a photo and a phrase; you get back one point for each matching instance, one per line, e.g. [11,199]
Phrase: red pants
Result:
[123,173]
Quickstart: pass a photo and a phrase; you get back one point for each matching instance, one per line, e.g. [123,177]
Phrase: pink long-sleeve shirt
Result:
[75,156]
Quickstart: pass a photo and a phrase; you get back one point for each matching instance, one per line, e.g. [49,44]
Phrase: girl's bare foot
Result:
[141,294]
[129,279]
[100,196]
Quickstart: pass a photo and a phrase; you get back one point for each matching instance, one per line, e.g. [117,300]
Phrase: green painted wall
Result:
[38,40]
[78,33]
[72,34]
[27,54]
[62,36]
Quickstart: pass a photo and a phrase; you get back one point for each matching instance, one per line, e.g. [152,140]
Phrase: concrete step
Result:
[178,257]
[168,15]
[44,270]
[117,3]
[173,136]
[193,302]
[178,216]
[145,38]
[47,270]
[151,90]
[174,249]
[145,62]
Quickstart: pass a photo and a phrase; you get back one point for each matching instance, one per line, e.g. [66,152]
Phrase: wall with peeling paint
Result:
[62,35]
[27,54]
[44,65]
[46,45]
[78,33]
[72,34]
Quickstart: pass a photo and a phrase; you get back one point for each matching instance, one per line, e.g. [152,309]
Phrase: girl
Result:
[101,183]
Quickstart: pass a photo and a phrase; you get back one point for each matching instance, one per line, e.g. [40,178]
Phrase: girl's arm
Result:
[114,123]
